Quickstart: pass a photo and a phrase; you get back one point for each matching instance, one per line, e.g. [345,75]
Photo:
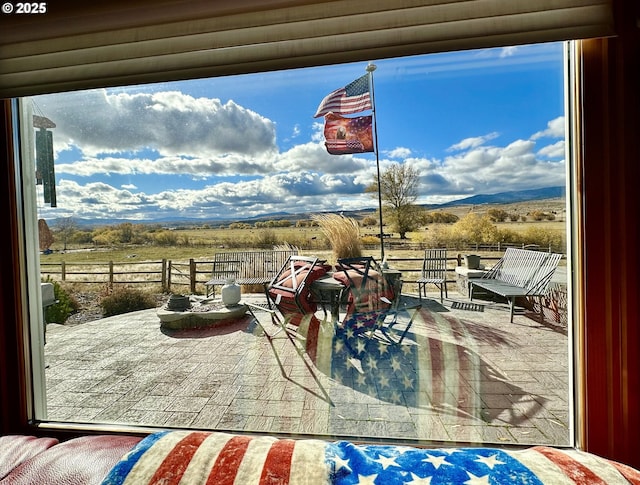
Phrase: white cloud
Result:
[555,150]
[508,51]
[398,152]
[195,167]
[481,169]
[496,169]
[170,122]
[473,142]
[555,129]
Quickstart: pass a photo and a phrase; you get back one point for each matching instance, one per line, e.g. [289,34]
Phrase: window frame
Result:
[36,340]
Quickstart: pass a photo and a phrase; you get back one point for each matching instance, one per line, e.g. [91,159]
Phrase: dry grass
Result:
[342,232]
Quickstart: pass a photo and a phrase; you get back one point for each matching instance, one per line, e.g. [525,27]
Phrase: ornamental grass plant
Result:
[342,232]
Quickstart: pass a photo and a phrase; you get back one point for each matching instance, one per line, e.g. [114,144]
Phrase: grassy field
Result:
[202,243]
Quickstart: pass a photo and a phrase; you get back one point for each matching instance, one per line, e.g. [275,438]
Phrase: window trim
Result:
[96,48]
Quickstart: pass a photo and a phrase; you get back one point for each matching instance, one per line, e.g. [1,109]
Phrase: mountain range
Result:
[510,197]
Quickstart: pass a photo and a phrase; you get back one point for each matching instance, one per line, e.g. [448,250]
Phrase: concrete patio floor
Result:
[463,374]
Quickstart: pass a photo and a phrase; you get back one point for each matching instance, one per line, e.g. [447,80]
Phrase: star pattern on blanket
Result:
[406,466]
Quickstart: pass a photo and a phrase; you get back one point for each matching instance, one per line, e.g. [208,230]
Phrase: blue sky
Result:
[471,122]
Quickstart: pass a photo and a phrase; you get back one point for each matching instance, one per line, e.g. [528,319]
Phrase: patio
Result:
[463,374]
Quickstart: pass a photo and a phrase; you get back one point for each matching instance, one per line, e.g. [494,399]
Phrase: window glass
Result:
[153,201]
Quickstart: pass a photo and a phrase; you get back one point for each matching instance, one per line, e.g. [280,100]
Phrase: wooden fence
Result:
[108,273]
[190,276]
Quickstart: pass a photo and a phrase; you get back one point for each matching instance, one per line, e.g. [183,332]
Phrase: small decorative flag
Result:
[348,135]
[353,98]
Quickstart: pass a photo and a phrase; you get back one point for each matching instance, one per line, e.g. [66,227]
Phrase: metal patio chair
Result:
[434,271]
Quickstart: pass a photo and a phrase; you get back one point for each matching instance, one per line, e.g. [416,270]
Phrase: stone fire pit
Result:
[182,312]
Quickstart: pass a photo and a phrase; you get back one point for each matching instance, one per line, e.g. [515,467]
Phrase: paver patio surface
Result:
[461,375]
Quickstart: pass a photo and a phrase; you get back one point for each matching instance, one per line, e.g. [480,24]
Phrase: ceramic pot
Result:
[230,293]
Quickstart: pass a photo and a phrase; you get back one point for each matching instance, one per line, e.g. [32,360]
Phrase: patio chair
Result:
[373,303]
[290,298]
[292,309]
[434,271]
[290,290]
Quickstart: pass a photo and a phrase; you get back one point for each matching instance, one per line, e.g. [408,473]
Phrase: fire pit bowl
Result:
[182,312]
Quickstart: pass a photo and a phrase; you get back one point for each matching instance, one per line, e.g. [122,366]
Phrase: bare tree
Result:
[399,192]
[65,228]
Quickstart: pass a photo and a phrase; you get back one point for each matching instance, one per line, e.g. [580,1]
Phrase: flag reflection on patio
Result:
[442,372]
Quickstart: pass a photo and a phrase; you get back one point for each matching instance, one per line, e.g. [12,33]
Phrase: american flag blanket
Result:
[195,457]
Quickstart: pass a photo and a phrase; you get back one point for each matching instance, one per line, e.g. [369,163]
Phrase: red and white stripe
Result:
[570,467]
[188,457]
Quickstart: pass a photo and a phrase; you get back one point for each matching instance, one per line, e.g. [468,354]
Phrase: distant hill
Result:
[510,197]
[481,199]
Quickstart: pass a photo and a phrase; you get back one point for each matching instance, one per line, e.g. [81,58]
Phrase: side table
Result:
[463,275]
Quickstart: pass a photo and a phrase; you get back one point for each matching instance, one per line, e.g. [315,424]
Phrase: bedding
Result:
[195,457]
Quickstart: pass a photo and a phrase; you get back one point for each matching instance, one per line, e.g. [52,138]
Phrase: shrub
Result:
[497,215]
[439,217]
[266,239]
[65,304]
[544,238]
[370,240]
[125,300]
[370,221]
[542,216]
[508,236]
[166,238]
[474,229]
[444,236]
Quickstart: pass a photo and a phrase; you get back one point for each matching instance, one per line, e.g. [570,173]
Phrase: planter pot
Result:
[472,261]
[178,303]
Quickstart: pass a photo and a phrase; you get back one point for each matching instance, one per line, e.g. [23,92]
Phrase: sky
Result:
[471,122]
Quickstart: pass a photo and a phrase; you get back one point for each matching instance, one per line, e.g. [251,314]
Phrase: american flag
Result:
[353,98]
[200,457]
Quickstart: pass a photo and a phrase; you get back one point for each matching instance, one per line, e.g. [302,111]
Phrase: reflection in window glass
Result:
[155,201]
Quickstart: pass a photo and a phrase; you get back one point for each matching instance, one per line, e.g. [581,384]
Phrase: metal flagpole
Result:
[370,68]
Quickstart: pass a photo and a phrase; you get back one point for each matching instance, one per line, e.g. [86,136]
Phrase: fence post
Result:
[111,273]
[63,271]
[169,277]
[192,274]
[163,274]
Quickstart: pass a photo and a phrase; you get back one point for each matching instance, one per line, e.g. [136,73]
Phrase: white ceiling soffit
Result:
[91,47]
